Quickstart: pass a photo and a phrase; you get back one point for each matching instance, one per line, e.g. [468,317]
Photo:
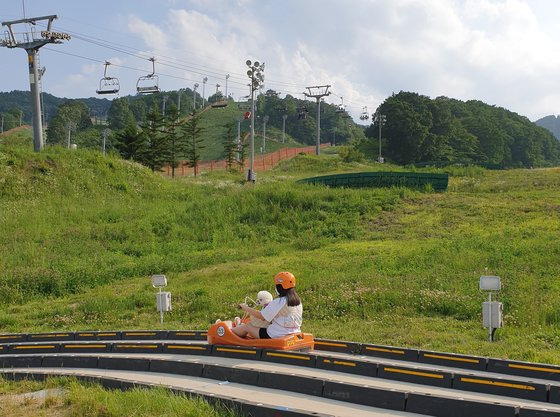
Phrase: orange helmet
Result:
[286,279]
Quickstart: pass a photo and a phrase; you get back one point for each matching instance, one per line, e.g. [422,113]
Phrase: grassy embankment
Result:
[81,233]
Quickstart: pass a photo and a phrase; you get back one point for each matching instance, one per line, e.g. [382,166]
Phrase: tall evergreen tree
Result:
[230,146]
[193,133]
[129,142]
[154,152]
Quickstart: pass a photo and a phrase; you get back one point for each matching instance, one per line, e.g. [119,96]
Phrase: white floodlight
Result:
[257,64]
[159,281]
[490,283]
[248,62]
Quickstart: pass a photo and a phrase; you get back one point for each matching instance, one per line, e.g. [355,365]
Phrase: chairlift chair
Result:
[365,114]
[302,112]
[108,85]
[148,84]
[340,108]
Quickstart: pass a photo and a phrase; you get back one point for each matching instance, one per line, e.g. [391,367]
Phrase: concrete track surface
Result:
[321,383]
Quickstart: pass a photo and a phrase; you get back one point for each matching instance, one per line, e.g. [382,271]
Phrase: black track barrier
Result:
[237,352]
[534,370]
[28,348]
[69,361]
[348,366]
[456,407]
[13,338]
[21,361]
[186,349]
[451,359]
[294,383]
[499,386]
[85,347]
[224,373]
[290,358]
[98,335]
[365,395]
[390,352]
[145,335]
[186,335]
[4,349]
[537,412]
[123,347]
[337,346]
[124,364]
[176,367]
[415,375]
[554,394]
[47,337]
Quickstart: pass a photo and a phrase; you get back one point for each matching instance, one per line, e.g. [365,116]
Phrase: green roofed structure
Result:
[382,179]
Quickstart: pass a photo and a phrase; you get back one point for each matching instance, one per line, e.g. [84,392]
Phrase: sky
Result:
[503,52]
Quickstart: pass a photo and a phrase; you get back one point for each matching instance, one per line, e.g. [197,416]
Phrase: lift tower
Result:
[318,92]
[31,42]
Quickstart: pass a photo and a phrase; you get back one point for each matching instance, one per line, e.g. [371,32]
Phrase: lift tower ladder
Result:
[32,42]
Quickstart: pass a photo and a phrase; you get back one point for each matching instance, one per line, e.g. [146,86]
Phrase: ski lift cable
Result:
[166,61]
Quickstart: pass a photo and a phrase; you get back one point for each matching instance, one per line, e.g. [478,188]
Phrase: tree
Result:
[119,115]
[230,146]
[71,114]
[193,133]
[154,152]
[130,142]
[175,138]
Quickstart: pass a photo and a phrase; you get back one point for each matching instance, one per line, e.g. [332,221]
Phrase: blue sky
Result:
[503,52]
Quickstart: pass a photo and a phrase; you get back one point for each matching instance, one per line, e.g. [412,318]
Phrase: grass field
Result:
[81,234]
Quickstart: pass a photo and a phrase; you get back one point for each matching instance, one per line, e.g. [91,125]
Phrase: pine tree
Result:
[230,147]
[155,150]
[192,132]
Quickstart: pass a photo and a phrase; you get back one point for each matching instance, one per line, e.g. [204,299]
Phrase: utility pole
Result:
[380,119]
[70,126]
[265,119]
[318,92]
[284,117]
[164,100]
[2,129]
[20,117]
[179,94]
[238,138]
[105,134]
[256,74]
[32,43]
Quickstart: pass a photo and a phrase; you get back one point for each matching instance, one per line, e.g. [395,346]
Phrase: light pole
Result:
[380,119]
[227,77]
[238,139]
[284,117]
[203,89]
[194,96]
[256,74]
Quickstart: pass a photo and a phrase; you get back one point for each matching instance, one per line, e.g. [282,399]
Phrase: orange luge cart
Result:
[221,334]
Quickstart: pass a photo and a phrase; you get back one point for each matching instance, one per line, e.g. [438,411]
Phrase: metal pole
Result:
[194,96]
[265,119]
[105,133]
[318,144]
[69,128]
[238,139]
[164,100]
[38,144]
[179,102]
[284,117]
[379,121]
[227,77]
[2,130]
[252,144]
[203,90]
[490,317]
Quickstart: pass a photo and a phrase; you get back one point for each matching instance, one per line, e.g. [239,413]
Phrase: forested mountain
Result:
[443,130]
[551,123]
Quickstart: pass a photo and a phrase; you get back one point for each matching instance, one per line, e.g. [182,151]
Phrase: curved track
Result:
[348,379]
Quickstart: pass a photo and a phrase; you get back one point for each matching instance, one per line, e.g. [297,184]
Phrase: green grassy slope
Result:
[391,266]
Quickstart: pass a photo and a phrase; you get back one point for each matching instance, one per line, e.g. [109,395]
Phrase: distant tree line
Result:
[443,130]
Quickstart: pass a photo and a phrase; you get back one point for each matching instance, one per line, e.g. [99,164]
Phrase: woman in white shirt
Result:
[284,313]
